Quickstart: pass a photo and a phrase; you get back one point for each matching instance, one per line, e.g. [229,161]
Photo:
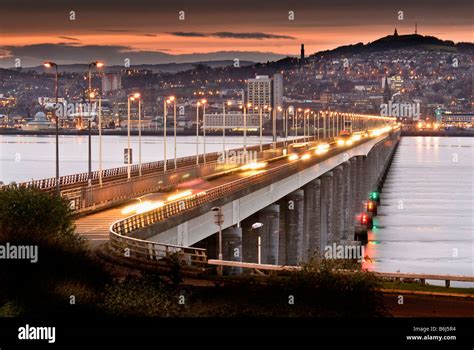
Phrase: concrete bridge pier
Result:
[326,210]
[360,183]
[294,227]
[312,220]
[338,204]
[232,248]
[352,207]
[346,199]
[270,233]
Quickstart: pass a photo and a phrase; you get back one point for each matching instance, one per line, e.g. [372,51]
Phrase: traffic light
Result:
[366,220]
[372,207]
[375,196]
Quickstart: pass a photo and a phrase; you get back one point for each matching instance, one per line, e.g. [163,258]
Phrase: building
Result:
[111,82]
[302,54]
[278,96]
[234,120]
[395,83]
[259,91]
[39,123]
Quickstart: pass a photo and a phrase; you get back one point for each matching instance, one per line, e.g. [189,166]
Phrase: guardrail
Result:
[400,276]
[139,249]
[120,229]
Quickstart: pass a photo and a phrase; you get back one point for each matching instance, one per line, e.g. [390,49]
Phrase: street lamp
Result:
[228,103]
[131,97]
[219,220]
[56,92]
[96,64]
[297,121]
[173,99]
[256,227]
[197,132]
[244,107]
[203,102]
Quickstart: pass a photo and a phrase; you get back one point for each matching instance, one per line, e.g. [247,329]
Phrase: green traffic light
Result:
[374,195]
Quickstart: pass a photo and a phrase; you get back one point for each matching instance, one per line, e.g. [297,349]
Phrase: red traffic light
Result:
[366,220]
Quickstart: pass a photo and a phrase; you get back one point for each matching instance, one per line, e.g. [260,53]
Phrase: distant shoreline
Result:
[115,132]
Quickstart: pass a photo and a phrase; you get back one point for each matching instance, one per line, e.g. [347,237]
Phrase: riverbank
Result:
[124,132]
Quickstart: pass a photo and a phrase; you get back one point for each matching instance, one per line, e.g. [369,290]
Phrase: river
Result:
[425,223]
[23,158]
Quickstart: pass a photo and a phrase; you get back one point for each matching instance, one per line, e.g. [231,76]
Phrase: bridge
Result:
[278,204]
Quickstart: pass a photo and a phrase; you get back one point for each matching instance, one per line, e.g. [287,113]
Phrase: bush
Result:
[30,216]
[33,218]
[141,296]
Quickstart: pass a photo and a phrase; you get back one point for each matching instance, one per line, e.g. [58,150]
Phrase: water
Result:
[426,218]
[23,158]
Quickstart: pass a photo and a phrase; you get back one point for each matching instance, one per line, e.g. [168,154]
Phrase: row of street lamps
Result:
[246,107]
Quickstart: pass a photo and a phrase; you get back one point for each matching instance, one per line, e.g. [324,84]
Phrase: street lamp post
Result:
[197,132]
[260,126]
[257,226]
[172,98]
[229,103]
[219,220]
[140,137]
[100,140]
[130,98]
[204,128]
[56,93]
[89,173]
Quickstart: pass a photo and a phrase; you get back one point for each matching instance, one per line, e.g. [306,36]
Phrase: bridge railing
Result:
[157,252]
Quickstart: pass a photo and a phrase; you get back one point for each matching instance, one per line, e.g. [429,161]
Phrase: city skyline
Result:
[249,31]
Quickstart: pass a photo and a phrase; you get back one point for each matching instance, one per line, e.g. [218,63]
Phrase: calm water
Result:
[23,158]
[426,218]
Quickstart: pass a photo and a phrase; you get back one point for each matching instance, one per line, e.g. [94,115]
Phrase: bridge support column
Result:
[338,191]
[283,204]
[232,248]
[352,206]
[249,240]
[270,233]
[312,220]
[367,174]
[326,210]
[346,199]
[294,227]
[359,186]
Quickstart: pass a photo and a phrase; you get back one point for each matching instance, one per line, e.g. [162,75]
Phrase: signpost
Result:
[219,220]
[126,152]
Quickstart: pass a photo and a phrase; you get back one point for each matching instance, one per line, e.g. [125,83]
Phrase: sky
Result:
[158,32]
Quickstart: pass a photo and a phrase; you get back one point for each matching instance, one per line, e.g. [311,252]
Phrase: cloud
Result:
[68,38]
[254,35]
[232,35]
[189,34]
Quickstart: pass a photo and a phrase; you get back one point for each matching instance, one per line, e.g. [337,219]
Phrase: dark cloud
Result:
[189,34]
[254,35]
[68,38]
[232,35]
